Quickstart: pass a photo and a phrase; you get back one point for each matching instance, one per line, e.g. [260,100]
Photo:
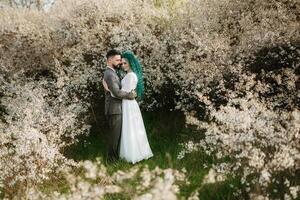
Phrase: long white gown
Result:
[134,145]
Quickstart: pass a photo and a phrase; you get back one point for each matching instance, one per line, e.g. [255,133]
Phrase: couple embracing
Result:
[127,137]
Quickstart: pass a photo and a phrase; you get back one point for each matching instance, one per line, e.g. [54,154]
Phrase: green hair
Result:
[136,67]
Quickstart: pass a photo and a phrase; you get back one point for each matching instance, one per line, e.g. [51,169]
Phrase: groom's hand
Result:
[133,94]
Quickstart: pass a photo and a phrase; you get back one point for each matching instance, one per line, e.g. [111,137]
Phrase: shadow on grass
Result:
[164,130]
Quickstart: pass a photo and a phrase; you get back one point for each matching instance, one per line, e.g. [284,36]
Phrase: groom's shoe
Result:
[111,160]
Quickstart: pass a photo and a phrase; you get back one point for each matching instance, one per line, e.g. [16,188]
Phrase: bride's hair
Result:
[136,67]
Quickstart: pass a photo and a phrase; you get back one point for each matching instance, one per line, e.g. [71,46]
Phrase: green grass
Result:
[165,131]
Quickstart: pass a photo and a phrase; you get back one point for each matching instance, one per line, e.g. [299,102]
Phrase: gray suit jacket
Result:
[113,105]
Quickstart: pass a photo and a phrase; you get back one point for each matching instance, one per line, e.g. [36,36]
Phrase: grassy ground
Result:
[165,131]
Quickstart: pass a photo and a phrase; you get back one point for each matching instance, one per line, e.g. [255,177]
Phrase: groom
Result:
[113,102]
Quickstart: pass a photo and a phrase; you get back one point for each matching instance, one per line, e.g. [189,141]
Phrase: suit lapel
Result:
[115,74]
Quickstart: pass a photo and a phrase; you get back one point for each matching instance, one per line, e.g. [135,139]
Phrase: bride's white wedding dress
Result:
[134,145]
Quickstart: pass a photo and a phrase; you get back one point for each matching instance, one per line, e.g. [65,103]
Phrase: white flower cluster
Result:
[160,183]
[188,148]
[30,137]
[261,142]
[90,180]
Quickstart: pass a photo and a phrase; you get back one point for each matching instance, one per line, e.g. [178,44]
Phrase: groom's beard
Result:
[117,66]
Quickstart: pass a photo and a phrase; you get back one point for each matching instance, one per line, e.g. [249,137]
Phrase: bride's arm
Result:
[132,82]
[105,85]
[113,86]
[129,84]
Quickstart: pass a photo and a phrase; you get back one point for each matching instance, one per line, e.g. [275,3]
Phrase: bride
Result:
[134,145]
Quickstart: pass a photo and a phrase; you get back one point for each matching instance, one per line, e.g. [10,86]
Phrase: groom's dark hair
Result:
[112,53]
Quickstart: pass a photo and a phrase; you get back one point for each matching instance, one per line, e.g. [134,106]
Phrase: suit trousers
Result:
[115,128]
